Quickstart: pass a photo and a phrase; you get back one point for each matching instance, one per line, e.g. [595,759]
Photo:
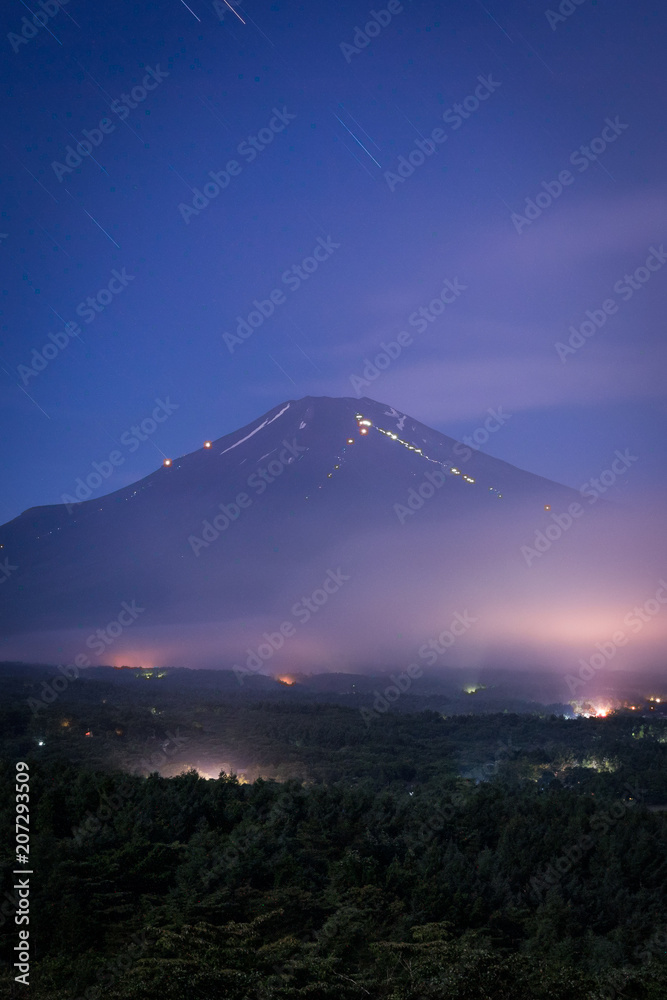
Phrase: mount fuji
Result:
[329,534]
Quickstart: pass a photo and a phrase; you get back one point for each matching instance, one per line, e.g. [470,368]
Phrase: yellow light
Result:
[207,444]
[167,461]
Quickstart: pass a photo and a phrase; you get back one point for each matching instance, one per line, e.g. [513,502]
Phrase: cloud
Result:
[570,232]
[437,390]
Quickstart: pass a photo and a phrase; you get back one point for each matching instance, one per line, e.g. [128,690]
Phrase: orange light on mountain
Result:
[167,462]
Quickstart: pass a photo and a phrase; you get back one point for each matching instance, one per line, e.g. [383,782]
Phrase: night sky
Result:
[309,134]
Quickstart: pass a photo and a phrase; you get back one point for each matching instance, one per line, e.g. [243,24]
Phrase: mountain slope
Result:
[224,543]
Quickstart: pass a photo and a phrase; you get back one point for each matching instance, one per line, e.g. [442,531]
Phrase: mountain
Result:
[361,532]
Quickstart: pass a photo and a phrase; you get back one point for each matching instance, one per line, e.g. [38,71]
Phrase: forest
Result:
[469,856]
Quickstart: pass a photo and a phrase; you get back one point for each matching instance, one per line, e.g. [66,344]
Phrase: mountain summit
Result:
[354,527]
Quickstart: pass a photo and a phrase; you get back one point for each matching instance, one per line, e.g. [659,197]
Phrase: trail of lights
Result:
[364,426]
[452,469]
[238,15]
[418,451]
[190,9]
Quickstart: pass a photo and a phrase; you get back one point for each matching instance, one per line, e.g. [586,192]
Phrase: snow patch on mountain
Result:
[391,412]
[264,423]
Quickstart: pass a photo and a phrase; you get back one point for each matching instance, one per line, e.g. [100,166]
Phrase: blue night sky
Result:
[309,135]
